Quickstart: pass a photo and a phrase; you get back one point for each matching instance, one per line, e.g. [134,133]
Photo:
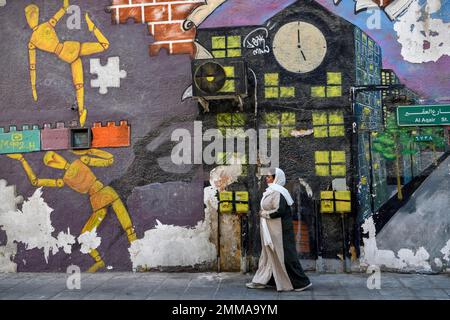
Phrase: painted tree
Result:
[392,143]
[438,141]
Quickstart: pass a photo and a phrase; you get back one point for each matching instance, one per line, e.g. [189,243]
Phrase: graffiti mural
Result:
[229,88]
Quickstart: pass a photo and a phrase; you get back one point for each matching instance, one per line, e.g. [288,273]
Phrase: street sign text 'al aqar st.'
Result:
[423,115]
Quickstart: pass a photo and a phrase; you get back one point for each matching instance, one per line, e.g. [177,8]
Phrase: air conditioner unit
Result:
[215,79]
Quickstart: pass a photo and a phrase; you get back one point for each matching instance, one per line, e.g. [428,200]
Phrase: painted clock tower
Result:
[301,64]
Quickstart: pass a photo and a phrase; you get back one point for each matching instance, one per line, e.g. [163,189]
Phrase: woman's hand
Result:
[264,214]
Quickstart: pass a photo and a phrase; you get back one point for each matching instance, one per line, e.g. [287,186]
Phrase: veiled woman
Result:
[278,262]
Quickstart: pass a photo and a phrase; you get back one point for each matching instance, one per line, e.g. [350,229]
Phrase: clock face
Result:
[299,47]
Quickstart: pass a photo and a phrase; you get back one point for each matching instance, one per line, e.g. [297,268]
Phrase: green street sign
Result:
[423,138]
[426,115]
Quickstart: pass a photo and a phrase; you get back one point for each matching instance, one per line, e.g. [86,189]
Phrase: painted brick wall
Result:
[164,19]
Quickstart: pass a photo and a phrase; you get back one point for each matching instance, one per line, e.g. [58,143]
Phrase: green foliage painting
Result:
[393,142]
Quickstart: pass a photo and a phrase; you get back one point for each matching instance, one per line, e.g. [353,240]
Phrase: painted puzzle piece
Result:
[108,76]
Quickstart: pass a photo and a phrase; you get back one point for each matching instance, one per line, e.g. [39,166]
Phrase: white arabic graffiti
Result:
[257,42]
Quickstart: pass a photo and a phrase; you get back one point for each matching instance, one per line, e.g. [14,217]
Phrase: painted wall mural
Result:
[87,170]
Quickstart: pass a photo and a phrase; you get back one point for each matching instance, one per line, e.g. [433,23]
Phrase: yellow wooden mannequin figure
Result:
[80,178]
[44,38]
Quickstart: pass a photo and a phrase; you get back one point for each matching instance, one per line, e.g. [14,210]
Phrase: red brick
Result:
[182,11]
[119,2]
[183,48]
[177,48]
[134,13]
[141,1]
[172,31]
[156,13]
[167,0]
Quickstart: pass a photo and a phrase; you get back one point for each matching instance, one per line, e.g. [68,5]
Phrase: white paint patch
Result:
[172,246]
[31,225]
[446,251]
[306,186]
[169,245]
[223,176]
[89,241]
[2,3]
[438,263]
[7,254]
[65,241]
[406,260]
[423,38]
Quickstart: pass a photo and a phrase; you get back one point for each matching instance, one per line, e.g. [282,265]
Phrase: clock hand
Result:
[303,55]
[298,37]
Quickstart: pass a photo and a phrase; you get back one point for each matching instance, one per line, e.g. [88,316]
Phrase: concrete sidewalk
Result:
[207,286]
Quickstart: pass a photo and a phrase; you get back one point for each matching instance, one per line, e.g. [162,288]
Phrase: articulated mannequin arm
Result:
[58,15]
[32,60]
[95,157]
[35,181]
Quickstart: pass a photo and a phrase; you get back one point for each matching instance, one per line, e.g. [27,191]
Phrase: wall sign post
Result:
[426,115]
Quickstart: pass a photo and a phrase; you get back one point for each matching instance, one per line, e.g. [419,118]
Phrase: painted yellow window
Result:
[229,71]
[335,201]
[321,132]
[322,170]
[234,42]
[336,117]
[338,170]
[271,92]
[272,119]
[336,131]
[287,92]
[271,79]
[233,53]
[338,156]
[223,47]
[228,158]
[284,121]
[224,119]
[330,163]
[334,78]
[320,118]
[219,53]
[232,158]
[342,201]
[226,201]
[218,43]
[288,118]
[334,84]
[322,157]
[334,91]
[326,202]
[328,124]
[318,91]
[231,124]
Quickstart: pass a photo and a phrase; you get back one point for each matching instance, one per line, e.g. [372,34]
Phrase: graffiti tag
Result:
[257,41]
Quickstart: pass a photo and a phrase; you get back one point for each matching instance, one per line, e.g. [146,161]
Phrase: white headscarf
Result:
[278,183]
